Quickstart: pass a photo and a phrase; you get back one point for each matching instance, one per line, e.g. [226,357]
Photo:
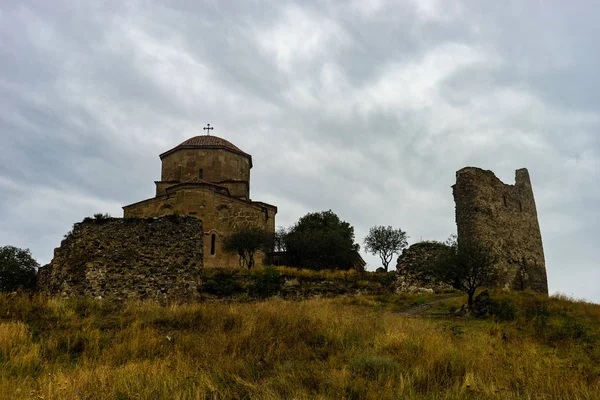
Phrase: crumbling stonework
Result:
[134,258]
[411,268]
[504,218]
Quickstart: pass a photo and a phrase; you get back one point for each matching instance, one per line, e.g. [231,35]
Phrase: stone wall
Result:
[122,259]
[411,267]
[220,214]
[504,218]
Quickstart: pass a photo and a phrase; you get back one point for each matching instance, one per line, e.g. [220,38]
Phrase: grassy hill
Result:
[347,347]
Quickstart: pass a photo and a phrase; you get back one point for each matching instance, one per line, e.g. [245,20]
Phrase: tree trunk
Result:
[470,295]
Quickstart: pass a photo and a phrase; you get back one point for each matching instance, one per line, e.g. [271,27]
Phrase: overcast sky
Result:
[367,108]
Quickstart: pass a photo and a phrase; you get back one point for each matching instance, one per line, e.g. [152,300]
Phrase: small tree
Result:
[17,269]
[385,241]
[466,266]
[246,242]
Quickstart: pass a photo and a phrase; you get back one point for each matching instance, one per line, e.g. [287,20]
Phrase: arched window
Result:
[213,242]
[201,173]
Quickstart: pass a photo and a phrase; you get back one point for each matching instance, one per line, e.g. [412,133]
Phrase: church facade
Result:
[208,177]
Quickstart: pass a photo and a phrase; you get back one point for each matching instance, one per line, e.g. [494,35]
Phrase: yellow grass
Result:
[342,348]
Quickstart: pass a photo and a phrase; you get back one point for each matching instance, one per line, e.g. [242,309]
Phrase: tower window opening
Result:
[505,203]
[520,206]
[213,240]
[201,173]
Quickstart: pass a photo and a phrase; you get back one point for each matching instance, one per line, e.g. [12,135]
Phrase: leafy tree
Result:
[385,241]
[246,242]
[17,269]
[466,266]
[321,240]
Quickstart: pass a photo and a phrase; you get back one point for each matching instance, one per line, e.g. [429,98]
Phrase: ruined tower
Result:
[504,218]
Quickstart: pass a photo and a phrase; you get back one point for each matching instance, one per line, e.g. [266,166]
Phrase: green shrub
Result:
[222,284]
[482,305]
[537,311]
[569,328]
[268,283]
[504,310]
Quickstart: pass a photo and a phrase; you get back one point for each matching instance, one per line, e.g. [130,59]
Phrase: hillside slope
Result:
[356,347]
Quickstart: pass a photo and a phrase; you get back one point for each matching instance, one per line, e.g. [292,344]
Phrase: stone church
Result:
[208,177]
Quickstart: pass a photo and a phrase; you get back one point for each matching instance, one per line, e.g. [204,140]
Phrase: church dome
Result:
[207,142]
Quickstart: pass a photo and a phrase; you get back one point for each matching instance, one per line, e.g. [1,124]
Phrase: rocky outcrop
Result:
[133,258]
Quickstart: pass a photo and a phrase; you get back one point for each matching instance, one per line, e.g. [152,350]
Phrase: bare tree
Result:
[385,242]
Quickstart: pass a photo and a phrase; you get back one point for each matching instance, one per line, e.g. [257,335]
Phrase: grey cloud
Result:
[363,109]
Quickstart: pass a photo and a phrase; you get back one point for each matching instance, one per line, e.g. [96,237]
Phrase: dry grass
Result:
[296,272]
[342,348]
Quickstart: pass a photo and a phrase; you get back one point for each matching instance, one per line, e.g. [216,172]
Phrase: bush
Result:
[570,329]
[504,310]
[484,305]
[222,284]
[266,284]
[537,311]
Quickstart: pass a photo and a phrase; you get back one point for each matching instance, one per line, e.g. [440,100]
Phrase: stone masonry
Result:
[411,268]
[119,259]
[504,218]
[208,178]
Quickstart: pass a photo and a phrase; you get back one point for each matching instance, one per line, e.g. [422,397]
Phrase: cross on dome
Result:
[208,128]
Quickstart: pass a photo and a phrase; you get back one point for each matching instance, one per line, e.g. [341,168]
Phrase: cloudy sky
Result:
[367,108]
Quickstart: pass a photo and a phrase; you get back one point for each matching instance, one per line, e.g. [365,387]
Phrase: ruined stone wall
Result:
[121,259]
[217,165]
[504,218]
[411,268]
[220,214]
